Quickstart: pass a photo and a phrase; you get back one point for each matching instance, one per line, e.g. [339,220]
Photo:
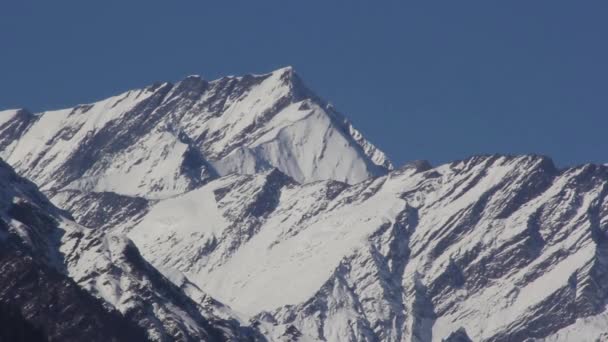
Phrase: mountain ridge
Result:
[270,216]
[170,115]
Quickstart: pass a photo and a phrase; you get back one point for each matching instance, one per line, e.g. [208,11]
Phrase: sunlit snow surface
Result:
[253,191]
[326,242]
[166,139]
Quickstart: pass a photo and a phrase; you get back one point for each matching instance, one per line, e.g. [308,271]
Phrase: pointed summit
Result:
[239,125]
[285,70]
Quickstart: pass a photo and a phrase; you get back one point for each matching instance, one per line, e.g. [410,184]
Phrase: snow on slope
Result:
[494,248]
[106,162]
[33,278]
[12,124]
[97,148]
[314,252]
[7,115]
[255,191]
[110,268]
[167,139]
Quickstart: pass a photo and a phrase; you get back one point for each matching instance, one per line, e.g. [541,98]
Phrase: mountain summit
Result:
[247,208]
[166,139]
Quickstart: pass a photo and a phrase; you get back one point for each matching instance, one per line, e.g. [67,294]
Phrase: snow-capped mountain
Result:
[167,139]
[248,208]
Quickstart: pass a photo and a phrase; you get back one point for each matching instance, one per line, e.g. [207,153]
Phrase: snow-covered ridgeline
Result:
[166,139]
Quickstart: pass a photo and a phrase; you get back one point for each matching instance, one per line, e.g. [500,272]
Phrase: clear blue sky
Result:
[436,80]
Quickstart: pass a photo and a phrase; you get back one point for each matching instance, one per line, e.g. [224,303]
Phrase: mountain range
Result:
[248,208]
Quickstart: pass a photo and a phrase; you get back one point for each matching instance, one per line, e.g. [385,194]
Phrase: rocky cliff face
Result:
[34,287]
[248,208]
[74,283]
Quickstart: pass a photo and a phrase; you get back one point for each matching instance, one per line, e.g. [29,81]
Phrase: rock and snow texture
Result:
[106,162]
[490,248]
[106,265]
[33,279]
[166,139]
[211,205]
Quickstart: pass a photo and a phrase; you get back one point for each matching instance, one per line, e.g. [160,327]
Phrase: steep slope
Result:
[47,260]
[225,209]
[107,162]
[33,287]
[167,139]
[114,145]
[490,248]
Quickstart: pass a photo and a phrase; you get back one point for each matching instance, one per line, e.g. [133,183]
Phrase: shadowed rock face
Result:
[459,335]
[14,327]
[33,286]
[101,210]
[61,278]
[52,303]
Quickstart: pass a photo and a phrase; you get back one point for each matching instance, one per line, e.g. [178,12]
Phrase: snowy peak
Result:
[10,114]
[111,145]
[166,139]
[239,111]
[255,191]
